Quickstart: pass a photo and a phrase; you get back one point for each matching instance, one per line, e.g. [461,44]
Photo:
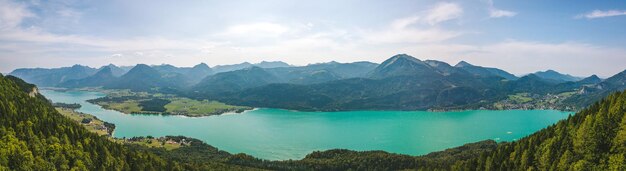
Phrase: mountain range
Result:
[555,76]
[401,82]
[53,77]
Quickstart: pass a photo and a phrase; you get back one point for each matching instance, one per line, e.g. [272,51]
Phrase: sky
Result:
[576,37]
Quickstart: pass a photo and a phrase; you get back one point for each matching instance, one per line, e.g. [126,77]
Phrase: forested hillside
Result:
[593,139]
[34,136]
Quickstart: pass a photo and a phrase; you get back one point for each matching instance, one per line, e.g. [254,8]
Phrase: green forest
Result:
[36,137]
[593,139]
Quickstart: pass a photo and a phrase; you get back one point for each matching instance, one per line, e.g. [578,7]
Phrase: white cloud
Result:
[443,12]
[409,35]
[419,28]
[402,23]
[424,35]
[601,14]
[45,39]
[12,14]
[262,29]
[569,57]
[436,14]
[498,13]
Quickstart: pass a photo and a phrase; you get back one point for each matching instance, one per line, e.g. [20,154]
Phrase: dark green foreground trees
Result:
[34,136]
[593,139]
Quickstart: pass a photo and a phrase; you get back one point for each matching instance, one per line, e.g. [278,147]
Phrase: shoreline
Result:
[114,132]
[91,89]
[106,92]
[169,114]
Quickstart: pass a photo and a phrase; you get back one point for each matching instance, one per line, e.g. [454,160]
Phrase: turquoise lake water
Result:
[278,134]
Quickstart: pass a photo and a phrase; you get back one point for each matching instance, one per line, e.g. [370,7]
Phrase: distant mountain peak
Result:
[530,78]
[463,64]
[141,68]
[400,58]
[555,75]
[105,69]
[403,56]
[105,72]
[435,63]
[484,71]
[116,70]
[165,65]
[266,62]
[104,75]
[272,64]
[618,76]
[551,71]
[593,79]
[402,64]
[532,75]
[77,66]
[201,65]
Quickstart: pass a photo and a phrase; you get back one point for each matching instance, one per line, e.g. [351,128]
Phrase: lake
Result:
[278,134]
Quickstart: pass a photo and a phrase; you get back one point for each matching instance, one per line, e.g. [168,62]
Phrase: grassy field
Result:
[177,106]
[130,106]
[151,142]
[191,107]
[520,98]
[96,125]
[157,143]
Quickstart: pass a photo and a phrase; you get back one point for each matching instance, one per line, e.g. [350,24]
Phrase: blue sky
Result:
[576,37]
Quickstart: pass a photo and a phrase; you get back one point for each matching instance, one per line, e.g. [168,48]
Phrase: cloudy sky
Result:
[574,37]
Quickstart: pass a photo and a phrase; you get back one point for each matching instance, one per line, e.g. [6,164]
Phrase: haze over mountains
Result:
[400,83]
